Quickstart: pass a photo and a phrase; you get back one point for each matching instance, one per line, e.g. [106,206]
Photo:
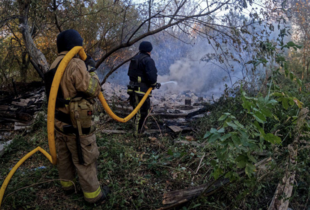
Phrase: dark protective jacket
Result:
[142,73]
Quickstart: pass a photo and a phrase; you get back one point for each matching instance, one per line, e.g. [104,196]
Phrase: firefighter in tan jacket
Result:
[75,139]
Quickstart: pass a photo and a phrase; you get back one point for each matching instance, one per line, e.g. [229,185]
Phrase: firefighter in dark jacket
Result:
[76,146]
[143,75]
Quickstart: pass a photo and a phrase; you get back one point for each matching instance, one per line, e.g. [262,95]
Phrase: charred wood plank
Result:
[22,126]
[15,117]
[3,119]
[22,103]
[175,128]
[179,129]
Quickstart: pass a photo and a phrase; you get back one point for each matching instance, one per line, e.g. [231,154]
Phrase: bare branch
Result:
[129,43]
[3,22]
[114,69]
[176,12]
[56,19]
[150,14]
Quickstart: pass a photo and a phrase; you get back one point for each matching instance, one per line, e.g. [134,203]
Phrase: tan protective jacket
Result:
[75,79]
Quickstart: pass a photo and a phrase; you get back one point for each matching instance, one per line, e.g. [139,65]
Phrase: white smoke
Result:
[197,67]
[206,76]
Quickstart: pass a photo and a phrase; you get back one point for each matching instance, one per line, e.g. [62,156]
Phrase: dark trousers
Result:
[142,113]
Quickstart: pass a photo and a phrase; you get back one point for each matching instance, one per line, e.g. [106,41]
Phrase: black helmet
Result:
[68,39]
[145,46]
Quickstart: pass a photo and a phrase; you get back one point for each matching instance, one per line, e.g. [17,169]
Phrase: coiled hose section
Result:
[52,157]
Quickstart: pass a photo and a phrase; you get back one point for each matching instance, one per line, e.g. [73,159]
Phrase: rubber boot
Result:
[105,192]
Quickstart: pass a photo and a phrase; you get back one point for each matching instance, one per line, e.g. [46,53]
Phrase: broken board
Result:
[175,128]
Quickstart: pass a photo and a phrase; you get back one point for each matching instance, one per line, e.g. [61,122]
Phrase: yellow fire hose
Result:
[51,115]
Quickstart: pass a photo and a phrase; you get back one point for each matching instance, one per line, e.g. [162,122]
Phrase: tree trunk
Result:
[24,66]
[36,55]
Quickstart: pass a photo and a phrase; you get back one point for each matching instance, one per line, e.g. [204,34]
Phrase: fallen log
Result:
[188,194]
[178,197]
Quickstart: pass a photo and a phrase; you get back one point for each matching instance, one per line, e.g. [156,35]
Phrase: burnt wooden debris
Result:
[22,107]
[18,107]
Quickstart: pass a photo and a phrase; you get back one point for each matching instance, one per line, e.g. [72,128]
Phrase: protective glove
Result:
[157,86]
[90,64]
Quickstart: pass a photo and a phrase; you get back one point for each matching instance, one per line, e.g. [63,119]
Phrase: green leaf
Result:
[259,128]
[231,144]
[213,130]
[247,104]
[235,138]
[196,205]
[222,153]
[259,117]
[226,136]
[239,124]
[208,133]
[291,44]
[244,138]
[217,173]
[286,71]
[213,163]
[299,82]
[266,111]
[285,103]
[292,76]
[241,161]
[272,103]
[222,118]
[170,152]
[291,102]
[251,158]
[277,94]
[231,124]
[272,138]
[222,130]
[214,137]
[276,118]
[249,169]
